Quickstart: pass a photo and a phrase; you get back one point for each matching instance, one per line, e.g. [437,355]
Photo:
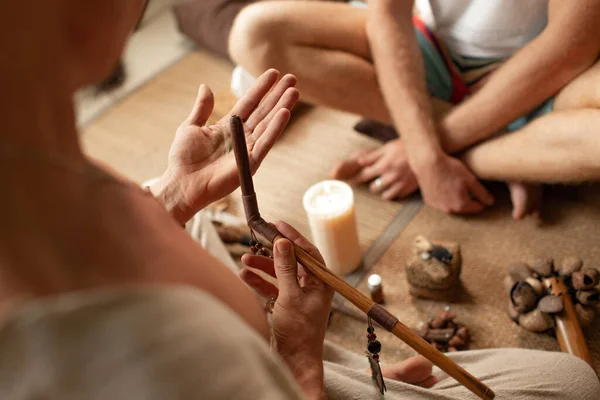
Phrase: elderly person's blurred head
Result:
[84,38]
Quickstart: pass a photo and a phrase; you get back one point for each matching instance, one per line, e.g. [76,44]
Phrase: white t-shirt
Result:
[484,28]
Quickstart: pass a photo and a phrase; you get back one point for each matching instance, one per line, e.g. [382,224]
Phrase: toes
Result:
[525,199]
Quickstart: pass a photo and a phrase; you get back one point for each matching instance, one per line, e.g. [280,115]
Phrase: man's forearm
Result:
[401,75]
[532,75]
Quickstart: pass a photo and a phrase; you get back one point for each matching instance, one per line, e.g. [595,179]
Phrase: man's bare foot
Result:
[526,199]
[415,370]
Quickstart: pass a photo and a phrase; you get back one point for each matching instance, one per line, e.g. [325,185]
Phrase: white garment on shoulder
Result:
[147,343]
[484,28]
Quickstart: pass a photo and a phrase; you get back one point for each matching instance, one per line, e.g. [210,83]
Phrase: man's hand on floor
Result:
[449,186]
[446,183]
[386,168]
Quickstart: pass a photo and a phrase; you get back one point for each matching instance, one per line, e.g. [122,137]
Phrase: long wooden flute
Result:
[362,302]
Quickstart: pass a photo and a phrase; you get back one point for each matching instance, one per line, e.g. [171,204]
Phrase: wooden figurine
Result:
[433,269]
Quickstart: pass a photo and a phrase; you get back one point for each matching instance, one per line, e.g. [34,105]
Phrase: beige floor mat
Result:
[490,242]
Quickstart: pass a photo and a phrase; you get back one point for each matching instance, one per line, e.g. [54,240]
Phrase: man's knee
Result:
[256,38]
[568,375]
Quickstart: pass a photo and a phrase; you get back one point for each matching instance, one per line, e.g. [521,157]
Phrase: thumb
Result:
[203,107]
[286,267]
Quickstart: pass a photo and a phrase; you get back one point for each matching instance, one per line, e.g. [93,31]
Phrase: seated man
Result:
[492,67]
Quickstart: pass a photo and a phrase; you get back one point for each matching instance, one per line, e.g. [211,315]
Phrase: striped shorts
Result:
[451,77]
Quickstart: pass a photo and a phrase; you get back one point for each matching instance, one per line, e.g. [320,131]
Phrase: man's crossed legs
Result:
[325,45]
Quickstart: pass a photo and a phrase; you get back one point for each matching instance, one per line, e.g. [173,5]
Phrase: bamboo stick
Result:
[568,329]
[362,302]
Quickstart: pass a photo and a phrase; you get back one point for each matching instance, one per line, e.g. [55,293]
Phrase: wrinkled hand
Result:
[449,186]
[301,311]
[387,167]
[199,170]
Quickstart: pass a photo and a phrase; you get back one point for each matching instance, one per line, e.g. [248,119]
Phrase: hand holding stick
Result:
[373,310]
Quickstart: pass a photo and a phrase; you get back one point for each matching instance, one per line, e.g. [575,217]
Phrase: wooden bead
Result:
[544,267]
[550,304]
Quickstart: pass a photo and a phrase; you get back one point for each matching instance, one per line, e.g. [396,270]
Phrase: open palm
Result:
[201,170]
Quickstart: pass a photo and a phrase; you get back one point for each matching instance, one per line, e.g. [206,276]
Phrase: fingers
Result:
[370,157]
[470,207]
[287,102]
[265,264]
[273,102]
[286,268]
[368,174]
[480,193]
[264,144]
[292,234]
[399,190]
[256,282]
[203,106]
[252,98]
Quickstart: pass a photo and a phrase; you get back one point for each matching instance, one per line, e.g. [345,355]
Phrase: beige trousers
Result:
[179,343]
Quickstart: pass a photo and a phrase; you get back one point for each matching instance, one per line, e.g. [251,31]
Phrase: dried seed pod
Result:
[519,271]
[456,341]
[439,335]
[451,325]
[442,318]
[437,323]
[543,267]
[586,314]
[589,297]
[463,333]
[524,296]
[570,265]
[509,282]
[441,347]
[585,279]
[550,304]
[536,321]
[536,285]
[512,311]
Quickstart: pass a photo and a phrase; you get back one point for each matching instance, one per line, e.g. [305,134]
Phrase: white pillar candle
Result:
[329,206]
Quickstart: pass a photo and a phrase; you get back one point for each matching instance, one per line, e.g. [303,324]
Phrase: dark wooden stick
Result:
[568,329]
[362,302]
